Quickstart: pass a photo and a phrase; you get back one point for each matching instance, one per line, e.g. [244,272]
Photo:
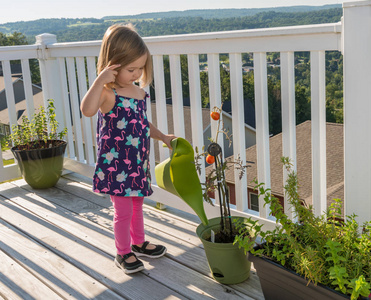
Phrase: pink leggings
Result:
[128,225]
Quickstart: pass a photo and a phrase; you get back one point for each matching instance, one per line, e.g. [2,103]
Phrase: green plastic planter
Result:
[41,168]
[228,264]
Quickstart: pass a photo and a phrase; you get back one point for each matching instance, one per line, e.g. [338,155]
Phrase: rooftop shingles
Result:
[334,157]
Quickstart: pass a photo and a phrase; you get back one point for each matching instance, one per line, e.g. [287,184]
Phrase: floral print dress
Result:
[123,142]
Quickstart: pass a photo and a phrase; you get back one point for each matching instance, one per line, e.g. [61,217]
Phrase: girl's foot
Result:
[129,263]
[149,250]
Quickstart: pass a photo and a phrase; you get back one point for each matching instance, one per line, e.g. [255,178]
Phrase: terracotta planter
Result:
[279,283]
[228,264]
[41,168]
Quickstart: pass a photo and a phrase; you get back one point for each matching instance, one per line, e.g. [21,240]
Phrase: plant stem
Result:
[217,131]
[220,194]
[227,208]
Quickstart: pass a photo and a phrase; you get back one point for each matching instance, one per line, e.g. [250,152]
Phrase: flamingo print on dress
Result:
[105,190]
[144,150]
[112,169]
[143,180]
[134,121]
[143,146]
[103,124]
[141,122]
[126,104]
[135,175]
[105,138]
[127,160]
[116,191]
[118,138]
[112,116]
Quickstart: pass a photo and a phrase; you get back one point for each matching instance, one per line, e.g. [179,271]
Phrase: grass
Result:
[83,24]
[5,30]
[6,163]
[128,20]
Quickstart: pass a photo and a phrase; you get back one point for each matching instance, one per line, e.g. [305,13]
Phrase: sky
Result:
[26,10]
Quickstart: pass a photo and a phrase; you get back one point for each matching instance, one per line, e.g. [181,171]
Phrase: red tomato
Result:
[215,115]
[210,159]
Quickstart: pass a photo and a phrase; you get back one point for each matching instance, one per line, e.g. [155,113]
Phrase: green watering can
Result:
[178,175]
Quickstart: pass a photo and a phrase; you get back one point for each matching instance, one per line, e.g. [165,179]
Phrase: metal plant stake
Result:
[215,150]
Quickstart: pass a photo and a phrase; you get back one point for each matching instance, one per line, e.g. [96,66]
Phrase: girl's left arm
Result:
[158,135]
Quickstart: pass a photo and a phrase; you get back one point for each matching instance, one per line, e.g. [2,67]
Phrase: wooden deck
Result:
[58,244]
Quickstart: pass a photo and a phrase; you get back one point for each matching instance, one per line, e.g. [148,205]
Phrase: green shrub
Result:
[324,249]
[40,132]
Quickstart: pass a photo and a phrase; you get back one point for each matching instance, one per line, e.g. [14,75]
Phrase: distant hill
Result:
[167,23]
[221,13]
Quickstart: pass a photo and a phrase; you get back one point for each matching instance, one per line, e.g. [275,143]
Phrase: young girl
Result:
[123,139]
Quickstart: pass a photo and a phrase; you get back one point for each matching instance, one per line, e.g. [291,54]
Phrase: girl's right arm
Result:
[95,96]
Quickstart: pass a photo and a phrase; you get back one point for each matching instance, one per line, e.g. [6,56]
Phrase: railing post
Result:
[239,144]
[288,118]
[318,125]
[262,127]
[50,75]
[357,108]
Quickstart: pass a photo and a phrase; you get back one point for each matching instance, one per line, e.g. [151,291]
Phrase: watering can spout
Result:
[178,175]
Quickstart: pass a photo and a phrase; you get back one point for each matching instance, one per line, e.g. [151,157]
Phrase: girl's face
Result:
[131,72]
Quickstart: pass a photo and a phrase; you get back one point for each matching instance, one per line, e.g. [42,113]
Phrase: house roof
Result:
[2,82]
[19,96]
[249,111]
[187,127]
[334,157]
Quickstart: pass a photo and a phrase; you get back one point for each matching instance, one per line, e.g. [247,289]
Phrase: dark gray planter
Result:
[280,283]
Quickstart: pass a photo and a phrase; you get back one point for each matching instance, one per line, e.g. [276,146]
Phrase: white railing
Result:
[23,53]
[65,67]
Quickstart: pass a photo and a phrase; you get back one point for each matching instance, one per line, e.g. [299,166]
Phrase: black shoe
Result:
[154,253]
[128,267]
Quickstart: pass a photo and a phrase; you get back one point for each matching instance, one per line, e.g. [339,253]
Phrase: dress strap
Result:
[114,90]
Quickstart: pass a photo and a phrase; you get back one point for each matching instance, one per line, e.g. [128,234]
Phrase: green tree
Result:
[302,103]
[17,38]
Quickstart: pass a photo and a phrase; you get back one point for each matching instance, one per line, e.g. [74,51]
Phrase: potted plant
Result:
[228,263]
[39,148]
[316,257]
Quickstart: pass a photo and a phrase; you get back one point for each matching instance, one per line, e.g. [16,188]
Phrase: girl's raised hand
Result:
[93,99]
[108,74]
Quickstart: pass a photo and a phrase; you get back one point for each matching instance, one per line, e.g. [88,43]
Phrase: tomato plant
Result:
[210,159]
[215,115]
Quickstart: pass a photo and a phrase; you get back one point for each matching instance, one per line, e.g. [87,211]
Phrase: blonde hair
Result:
[121,44]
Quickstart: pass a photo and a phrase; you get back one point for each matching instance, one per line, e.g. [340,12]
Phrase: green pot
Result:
[228,264]
[41,168]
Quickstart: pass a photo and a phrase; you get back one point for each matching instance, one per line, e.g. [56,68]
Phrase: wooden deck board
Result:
[75,224]
[86,257]
[18,283]
[63,278]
